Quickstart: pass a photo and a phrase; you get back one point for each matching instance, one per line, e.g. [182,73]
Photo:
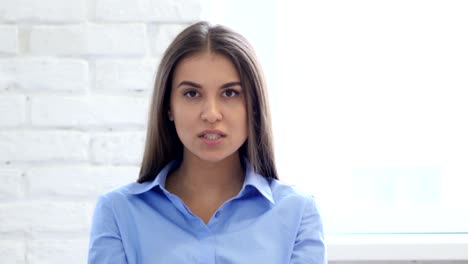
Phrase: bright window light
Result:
[370,107]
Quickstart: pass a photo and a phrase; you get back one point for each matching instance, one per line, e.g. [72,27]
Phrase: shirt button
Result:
[217,214]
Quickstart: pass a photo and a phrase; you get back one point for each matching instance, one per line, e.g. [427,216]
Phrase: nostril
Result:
[211,116]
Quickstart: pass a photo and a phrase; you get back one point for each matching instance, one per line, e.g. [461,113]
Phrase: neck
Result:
[195,177]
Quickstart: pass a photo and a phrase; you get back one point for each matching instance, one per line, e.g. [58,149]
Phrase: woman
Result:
[208,190]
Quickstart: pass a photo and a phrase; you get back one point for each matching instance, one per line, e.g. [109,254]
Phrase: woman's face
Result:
[208,106]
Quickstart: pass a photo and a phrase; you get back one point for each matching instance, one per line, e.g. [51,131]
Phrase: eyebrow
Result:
[189,83]
[196,85]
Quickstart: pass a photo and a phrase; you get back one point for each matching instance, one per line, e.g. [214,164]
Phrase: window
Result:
[378,112]
[369,102]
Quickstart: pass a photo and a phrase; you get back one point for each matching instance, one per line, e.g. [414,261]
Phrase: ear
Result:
[169,114]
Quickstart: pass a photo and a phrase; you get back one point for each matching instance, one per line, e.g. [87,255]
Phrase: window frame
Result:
[397,247]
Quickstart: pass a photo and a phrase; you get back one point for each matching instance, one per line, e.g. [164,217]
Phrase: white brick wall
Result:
[161,35]
[44,11]
[75,82]
[106,148]
[13,109]
[117,74]
[90,110]
[148,10]
[13,251]
[8,37]
[43,74]
[43,145]
[12,184]
[76,181]
[45,251]
[89,39]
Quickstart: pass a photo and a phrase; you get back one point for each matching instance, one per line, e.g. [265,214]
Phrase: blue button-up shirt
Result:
[267,222]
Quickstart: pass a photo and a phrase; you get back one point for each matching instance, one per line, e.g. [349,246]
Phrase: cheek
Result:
[184,119]
[242,120]
[181,120]
[179,109]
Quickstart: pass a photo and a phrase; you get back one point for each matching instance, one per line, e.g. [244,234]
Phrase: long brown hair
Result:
[162,142]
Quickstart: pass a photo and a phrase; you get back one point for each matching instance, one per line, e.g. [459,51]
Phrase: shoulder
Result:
[301,208]
[285,193]
[119,194]
[300,203]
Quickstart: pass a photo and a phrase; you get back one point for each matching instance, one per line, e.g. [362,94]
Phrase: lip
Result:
[212,131]
[211,142]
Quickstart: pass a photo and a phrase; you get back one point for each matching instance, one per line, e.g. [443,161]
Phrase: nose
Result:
[211,111]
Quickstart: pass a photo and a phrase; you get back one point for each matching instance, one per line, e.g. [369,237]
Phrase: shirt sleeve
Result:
[309,247]
[105,244]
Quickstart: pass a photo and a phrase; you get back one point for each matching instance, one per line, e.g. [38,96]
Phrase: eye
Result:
[230,93]
[191,93]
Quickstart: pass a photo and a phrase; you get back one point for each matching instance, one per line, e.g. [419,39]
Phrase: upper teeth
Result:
[212,136]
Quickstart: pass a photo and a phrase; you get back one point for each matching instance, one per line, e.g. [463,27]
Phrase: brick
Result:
[147,10]
[43,146]
[43,11]
[94,40]
[77,181]
[58,40]
[13,110]
[120,39]
[45,216]
[12,251]
[46,251]
[118,148]
[11,184]
[43,74]
[161,35]
[9,39]
[84,111]
[137,75]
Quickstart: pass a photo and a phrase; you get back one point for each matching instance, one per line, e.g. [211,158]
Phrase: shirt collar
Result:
[257,181]
[252,179]
[160,180]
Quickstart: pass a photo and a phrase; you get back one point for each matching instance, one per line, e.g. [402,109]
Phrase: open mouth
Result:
[212,137]
[212,134]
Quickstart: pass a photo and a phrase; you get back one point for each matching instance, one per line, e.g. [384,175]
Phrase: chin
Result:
[213,157]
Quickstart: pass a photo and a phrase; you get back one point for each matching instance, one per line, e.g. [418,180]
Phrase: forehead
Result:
[206,66]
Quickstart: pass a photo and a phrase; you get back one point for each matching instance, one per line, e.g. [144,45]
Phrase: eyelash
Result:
[189,93]
[236,93]
[186,93]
